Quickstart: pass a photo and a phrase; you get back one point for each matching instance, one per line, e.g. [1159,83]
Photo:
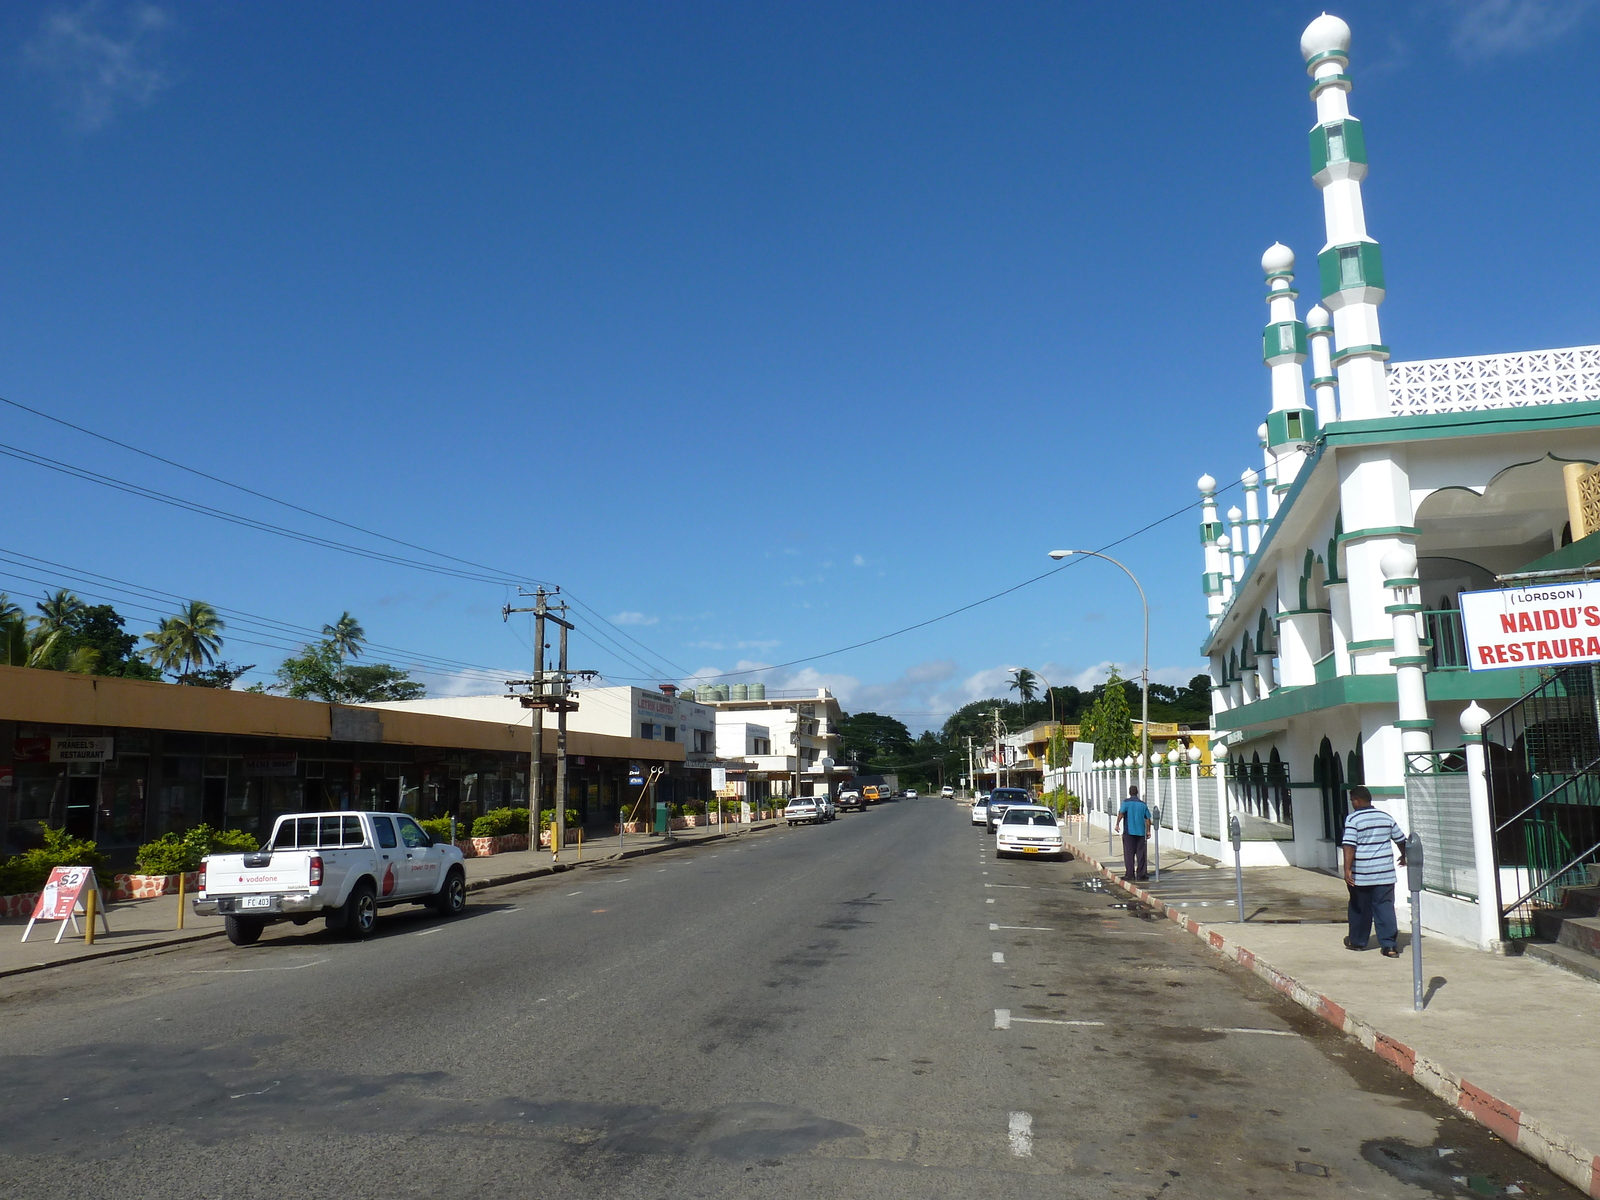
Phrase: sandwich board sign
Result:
[62,899]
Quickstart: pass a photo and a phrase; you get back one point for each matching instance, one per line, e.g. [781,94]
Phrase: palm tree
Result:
[56,612]
[188,641]
[345,637]
[9,608]
[21,646]
[1025,683]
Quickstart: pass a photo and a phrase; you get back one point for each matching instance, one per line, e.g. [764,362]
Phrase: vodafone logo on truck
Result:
[1522,627]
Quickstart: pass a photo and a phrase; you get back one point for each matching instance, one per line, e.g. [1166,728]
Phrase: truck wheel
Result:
[452,898]
[361,911]
[242,931]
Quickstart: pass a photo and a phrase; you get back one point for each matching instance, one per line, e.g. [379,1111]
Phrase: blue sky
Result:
[763,329]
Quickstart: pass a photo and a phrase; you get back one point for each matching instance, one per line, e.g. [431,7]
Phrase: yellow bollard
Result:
[183,879]
[580,845]
[555,850]
[88,913]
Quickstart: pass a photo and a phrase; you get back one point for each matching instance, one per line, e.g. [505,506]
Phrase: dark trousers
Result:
[1133,854]
[1372,905]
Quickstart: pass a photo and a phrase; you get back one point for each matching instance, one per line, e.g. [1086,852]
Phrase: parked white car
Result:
[804,808]
[911,793]
[1028,829]
[980,811]
[343,866]
[947,792]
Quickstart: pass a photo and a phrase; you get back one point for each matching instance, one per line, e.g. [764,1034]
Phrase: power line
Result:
[1016,587]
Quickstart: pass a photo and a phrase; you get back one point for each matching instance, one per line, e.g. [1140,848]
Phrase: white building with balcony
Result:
[1332,592]
[799,730]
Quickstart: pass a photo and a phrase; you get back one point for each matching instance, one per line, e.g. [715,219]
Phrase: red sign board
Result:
[61,893]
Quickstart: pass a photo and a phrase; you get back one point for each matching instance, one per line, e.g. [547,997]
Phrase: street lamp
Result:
[1144,675]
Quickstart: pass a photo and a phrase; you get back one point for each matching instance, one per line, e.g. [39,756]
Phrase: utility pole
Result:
[551,691]
[972,781]
[997,749]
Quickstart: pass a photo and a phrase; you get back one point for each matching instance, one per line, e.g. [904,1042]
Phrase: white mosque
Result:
[1335,642]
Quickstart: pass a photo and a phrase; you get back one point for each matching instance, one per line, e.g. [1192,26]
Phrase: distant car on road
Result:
[1001,799]
[980,811]
[830,810]
[1029,829]
[851,801]
[947,792]
[911,793]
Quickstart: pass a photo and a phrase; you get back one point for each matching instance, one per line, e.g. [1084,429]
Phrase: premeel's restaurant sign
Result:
[1532,627]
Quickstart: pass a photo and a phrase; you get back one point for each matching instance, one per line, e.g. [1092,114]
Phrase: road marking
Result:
[1027,887]
[262,1092]
[579,892]
[1004,1020]
[997,957]
[990,900]
[983,872]
[426,932]
[1020,1132]
[1268,1032]
[1028,928]
[316,962]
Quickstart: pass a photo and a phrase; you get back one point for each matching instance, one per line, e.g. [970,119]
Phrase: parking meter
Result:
[1155,834]
[1414,885]
[1236,835]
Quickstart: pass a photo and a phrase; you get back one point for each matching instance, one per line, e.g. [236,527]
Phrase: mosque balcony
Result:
[1491,381]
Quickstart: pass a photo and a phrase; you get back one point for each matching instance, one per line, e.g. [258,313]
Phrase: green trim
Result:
[1536,418]
[1211,583]
[1442,686]
[1380,531]
[1210,531]
[1341,55]
[1283,341]
[1340,80]
[1581,553]
[1409,660]
[1377,350]
[1381,789]
[1367,264]
[1302,612]
[1472,739]
[1354,145]
[1423,723]
[1371,644]
[1391,609]
[1324,381]
[1287,425]
[1325,668]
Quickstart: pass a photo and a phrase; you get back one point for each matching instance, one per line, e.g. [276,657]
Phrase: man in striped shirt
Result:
[1369,872]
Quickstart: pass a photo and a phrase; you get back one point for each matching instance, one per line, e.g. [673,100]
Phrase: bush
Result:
[498,822]
[548,815]
[171,853]
[26,872]
[439,828]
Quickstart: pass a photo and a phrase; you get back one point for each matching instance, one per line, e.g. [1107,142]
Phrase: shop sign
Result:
[276,763]
[635,775]
[759,776]
[31,749]
[1533,626]
[719,778]
[82,749]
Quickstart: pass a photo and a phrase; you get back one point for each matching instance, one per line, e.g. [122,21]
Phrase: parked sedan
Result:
[1029,829]
[980,811]
[804,808]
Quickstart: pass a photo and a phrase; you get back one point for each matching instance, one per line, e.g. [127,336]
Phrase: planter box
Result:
[483,847]
[148,887]
[19,905]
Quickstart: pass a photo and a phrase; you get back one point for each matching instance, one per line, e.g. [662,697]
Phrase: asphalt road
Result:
[808,1012]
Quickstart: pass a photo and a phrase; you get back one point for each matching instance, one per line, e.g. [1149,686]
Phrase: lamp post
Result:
[1144,674]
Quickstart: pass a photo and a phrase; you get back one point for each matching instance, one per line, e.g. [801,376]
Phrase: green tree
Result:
[57,612]
[1109,724]
[224,675]
[345,636]
[100,628]
[9,608]
[870,738]
[319,671]
[186,642]
[1025,684]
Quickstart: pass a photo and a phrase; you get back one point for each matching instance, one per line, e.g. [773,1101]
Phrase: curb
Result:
[1573,1163]
[475,885]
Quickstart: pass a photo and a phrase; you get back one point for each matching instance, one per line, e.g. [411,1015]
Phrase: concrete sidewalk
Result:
[144,925]
[1508,1041]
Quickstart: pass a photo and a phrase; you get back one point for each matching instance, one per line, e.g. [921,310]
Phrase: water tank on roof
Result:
[758,691]
[722,691]
[705,692]
[741,691]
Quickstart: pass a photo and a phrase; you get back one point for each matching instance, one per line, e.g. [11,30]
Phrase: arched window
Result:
[1279,806]
[1330,775]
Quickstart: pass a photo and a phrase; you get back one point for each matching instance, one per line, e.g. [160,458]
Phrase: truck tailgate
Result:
[287,871]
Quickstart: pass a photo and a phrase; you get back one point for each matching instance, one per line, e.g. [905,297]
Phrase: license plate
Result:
[255,902]
[1030,849]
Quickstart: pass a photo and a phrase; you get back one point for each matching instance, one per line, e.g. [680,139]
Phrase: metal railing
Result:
[1447,646]
[1544,787]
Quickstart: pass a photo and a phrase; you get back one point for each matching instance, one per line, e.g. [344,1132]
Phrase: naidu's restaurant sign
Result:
[1532,627]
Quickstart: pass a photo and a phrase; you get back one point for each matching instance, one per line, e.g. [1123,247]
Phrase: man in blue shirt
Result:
[1369,872]
[1135,814]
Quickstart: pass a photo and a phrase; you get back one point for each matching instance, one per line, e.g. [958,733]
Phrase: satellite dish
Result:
[826,764]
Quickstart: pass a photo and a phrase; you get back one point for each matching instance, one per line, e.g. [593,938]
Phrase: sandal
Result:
[1391,952]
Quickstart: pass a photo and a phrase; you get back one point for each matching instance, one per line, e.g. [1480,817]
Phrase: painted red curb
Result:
[1578,1166]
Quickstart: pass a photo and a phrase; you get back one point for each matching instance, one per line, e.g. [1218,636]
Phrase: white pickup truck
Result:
[340,865]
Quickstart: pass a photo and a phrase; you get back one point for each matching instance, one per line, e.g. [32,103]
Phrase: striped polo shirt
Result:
[1372,831]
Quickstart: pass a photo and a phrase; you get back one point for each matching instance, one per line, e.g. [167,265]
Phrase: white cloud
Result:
[468,683]
[633,618]
[102,62]
[859,561]
[1489,28]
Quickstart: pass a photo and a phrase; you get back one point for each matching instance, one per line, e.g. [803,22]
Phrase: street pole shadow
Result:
[1434,984]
